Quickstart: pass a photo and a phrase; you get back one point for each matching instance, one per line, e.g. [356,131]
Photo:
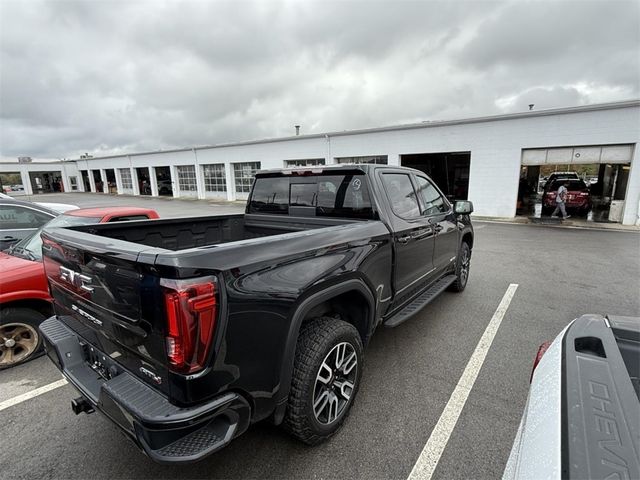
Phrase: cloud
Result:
[558,53]
[113,76]
[542,98]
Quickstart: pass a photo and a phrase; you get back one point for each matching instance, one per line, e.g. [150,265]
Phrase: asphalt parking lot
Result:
[410,373]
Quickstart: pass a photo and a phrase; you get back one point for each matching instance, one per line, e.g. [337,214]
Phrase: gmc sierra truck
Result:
[185,331]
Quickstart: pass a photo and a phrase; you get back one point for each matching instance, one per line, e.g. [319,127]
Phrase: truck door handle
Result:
[404,238]
[421,233]
[438,228]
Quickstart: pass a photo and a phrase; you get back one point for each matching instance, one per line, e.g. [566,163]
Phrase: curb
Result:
[561,224]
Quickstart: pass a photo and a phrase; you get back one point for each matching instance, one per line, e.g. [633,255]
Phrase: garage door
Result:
[578,155]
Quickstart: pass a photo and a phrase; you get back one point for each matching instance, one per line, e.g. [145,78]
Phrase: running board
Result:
[421,301]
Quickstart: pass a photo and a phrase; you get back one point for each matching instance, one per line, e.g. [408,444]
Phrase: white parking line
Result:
[432,451]
[33,393]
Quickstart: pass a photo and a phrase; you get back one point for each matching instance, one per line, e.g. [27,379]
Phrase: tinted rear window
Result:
[129,218]
[345,195]
[270,195]
[556,176]
[574,185]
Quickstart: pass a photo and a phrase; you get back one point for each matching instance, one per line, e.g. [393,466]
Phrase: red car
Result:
[24,294]
[578,196]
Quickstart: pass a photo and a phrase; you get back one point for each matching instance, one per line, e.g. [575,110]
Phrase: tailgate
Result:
[105,290]
[601,417]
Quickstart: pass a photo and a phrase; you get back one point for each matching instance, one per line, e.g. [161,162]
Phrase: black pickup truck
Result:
[185,331]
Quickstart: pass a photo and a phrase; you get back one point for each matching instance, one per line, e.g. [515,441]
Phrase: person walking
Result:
[561,198]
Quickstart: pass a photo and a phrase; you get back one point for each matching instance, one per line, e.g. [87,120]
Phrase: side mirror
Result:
[463,207]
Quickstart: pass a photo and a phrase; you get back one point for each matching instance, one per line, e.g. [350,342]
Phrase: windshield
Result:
[31,247]
[573,185]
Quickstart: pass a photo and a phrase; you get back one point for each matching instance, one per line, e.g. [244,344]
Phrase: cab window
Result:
[401,195]
[433,202]
[270,195]
[342,195]
[129,218]
[13,217]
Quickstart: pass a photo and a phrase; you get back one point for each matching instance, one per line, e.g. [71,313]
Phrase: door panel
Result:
[18,221]
[446,242]
[414,257]
[10,237]
[444,223]
[413,237]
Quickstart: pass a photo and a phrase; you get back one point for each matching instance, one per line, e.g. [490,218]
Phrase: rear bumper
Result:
[583,204]
[165,432]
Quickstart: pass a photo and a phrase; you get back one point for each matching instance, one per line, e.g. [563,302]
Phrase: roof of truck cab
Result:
[365,168]
[337,166]
[362,167]
[33,205]
[99,212]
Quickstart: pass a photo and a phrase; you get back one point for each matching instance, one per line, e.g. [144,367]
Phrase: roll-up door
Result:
[578,155]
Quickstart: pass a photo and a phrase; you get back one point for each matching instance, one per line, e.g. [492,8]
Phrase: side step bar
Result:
[421,301]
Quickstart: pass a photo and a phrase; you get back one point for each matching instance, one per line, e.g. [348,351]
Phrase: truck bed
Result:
[184,233]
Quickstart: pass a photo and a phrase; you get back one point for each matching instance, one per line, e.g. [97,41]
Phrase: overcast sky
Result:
[113,76]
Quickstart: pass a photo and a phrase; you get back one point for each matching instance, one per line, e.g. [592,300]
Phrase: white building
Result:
[479,158]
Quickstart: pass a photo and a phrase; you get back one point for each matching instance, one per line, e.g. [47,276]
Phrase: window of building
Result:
[214,178]
[304,163]
[377,159]
[401,194]
[243,174]
[125,176]
[73,182]
[187,178]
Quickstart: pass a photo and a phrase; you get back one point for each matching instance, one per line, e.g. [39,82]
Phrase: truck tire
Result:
[326,375]
[462,268]
[20,340]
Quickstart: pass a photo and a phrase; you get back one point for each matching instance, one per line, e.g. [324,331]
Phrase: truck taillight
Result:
[191,310]
[541,350]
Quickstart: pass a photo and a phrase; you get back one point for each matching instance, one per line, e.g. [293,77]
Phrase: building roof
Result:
[55,162]
[408,126]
